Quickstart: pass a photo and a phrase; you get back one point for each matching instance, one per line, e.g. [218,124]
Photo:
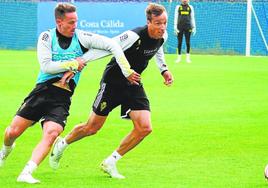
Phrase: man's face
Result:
[68,24]
[184,1]
[157,26]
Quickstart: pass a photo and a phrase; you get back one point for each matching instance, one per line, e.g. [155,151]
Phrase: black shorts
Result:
[48,103]
[132,97]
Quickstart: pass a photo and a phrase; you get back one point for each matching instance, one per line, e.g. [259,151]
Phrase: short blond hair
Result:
[62,8]
[154,9]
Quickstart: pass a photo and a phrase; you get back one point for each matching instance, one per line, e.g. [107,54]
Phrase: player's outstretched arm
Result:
[99,44]
[95,41]
[125,40]
[44,55]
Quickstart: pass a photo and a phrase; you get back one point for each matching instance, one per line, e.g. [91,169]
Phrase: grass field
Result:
[210,129]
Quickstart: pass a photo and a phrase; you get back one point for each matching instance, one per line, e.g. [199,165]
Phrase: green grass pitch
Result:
[210,129]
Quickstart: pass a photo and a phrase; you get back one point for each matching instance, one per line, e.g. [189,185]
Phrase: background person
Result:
[184,24]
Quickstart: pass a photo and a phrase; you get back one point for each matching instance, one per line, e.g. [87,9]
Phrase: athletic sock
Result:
[113,158]
[29,168]
[6,149]
[63,144]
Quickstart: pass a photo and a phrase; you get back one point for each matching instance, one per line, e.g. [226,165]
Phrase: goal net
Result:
[222,27]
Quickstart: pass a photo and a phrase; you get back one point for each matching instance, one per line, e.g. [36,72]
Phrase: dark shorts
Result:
[131,97]
[48,103]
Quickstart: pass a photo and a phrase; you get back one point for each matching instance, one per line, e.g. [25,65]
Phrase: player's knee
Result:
[92,128]
[13,132]
[51,136]
[145,130]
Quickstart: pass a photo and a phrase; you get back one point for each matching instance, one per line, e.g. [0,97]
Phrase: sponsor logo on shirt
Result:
[150,52]
[45,37]
[123,37]
[88,34]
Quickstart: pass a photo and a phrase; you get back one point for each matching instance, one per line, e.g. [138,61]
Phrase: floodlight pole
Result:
[248,33]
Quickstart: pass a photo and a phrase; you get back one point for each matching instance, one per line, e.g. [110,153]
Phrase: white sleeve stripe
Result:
[176,17]
[192,16]
[160,60]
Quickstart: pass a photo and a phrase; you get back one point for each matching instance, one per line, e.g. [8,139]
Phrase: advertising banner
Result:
[109,19]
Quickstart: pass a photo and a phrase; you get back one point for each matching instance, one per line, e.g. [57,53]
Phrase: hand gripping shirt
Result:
[55,51]
[61,55]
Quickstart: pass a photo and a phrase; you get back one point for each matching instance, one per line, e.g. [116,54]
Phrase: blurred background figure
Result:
[184,24]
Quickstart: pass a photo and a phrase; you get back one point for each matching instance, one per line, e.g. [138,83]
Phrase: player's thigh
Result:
[57,106]
[33,106]
[108,97]
[57,113]
[188,35]
[136,100]
[141,119]
[52,129]
[179,36]
[19,125]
